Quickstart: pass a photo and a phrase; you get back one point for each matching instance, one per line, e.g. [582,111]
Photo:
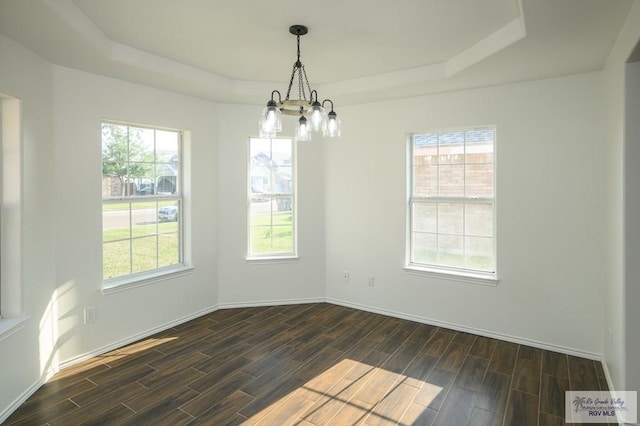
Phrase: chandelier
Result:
[312,114]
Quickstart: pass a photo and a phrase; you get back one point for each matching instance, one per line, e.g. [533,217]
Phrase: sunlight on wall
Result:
[56,324]
[49,334]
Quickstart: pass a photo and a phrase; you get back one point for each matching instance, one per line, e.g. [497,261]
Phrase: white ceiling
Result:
[356,50]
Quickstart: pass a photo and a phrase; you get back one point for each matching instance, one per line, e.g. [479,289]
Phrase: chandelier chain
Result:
[293,74]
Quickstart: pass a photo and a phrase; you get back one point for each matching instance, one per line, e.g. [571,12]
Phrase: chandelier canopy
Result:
[312,114]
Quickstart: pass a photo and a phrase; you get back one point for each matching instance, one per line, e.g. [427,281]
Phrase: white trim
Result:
[472,330]
[268,260]
[11,408]
[115,345]
[134,281]
[9,326]
[463,276]
[232,305]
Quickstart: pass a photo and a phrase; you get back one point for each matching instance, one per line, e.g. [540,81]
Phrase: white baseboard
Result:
[256,304]
[479,332]
[134,338]
[21,399]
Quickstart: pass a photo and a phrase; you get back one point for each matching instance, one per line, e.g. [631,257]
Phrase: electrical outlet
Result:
[345,276]
[89,314]
[370,280]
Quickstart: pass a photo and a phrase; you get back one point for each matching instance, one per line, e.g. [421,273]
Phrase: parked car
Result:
[168,214]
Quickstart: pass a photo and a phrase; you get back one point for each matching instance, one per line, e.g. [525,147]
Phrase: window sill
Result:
[265,260]
[467,277]
[131,282]
[9,326]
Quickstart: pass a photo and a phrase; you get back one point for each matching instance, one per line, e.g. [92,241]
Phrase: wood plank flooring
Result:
[314,364]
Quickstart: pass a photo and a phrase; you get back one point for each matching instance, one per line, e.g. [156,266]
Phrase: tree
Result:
[125,155]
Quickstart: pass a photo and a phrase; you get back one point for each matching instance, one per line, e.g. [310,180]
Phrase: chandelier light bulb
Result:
[331,127]
[317,116]
[303,132]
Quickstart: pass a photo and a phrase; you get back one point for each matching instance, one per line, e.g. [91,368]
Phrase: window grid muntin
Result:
[437,199]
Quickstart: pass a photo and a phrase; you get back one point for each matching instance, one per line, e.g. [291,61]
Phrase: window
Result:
[452,201]
[271,195]
[141,201]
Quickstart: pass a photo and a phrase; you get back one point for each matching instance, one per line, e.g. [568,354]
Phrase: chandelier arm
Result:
[328,100]
[279,96]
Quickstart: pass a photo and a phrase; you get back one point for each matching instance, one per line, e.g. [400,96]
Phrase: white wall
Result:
[549,208]
[616,301]
[252,282]
[632,223]
[82,100]
[22,358]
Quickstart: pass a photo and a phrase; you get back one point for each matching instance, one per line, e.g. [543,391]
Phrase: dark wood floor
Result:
[313,364]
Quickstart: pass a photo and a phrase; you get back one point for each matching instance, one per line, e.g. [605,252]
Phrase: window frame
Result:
[274,256]
[442,271]
[135,279]
[12,314]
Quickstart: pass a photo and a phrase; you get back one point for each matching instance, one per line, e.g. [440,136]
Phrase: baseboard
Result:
[21,399]
[479,332]
[134,338]
[255,304]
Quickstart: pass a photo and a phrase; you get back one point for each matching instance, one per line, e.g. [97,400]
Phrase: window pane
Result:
[425,181]
[451,251]
[284,204]
[145,253]
[167,184]
[425,150]
[116,259]
[479,253]
[168,211]
[479,180]
[450,218]
[115,222]
[260,239]
[282,239]
[167,146]
[479,147]
[451,154]
[425,248]
[282,183]
[281,152]
[478,220]
[451,180]
[141,145]
[144,219]
[424,217]
[112,186]
[168,247]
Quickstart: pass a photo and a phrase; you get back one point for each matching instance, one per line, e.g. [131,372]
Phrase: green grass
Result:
[135,206]
[151,247]
[271,233]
